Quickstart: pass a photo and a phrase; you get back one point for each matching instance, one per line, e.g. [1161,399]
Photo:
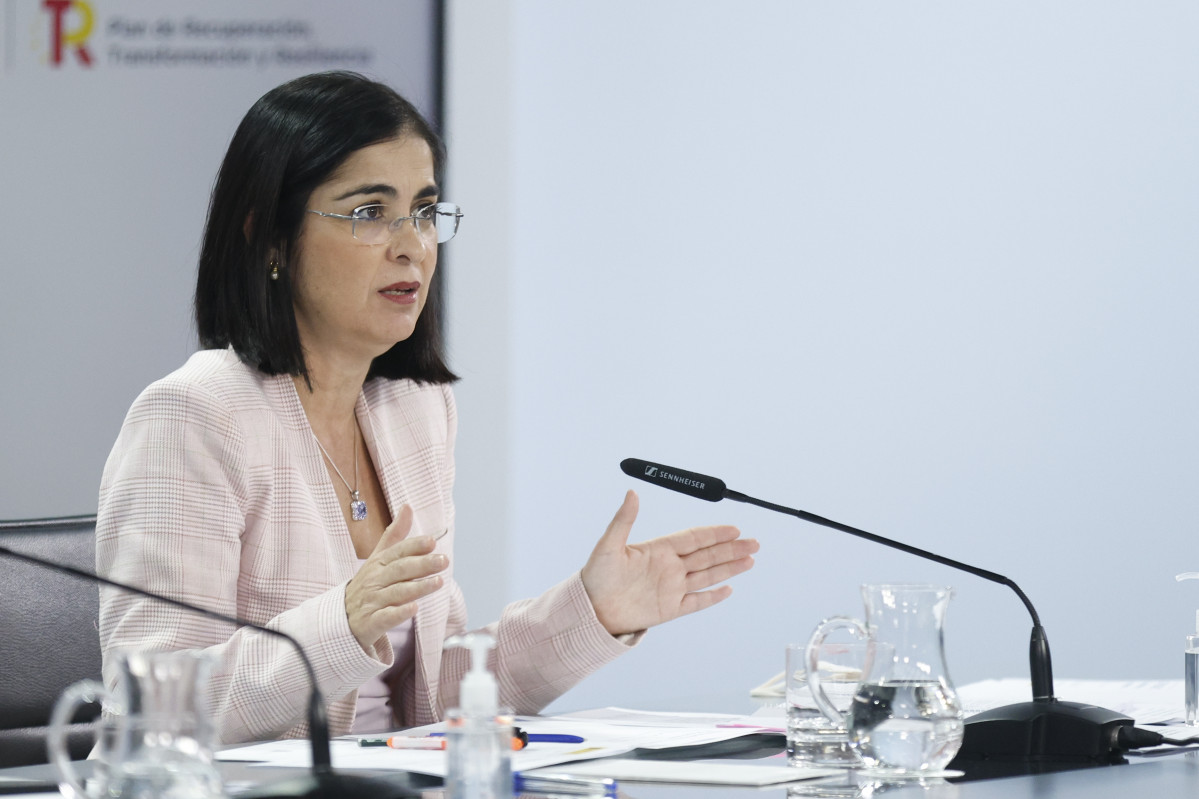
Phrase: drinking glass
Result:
[813,739]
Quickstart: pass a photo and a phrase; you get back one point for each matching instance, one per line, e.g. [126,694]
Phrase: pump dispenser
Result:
[477,694]
[478,735]
[1190,656]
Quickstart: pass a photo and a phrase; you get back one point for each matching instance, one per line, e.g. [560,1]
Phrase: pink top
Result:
[372,713]
[216,493]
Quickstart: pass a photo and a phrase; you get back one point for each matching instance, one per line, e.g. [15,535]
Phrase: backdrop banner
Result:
[114,116]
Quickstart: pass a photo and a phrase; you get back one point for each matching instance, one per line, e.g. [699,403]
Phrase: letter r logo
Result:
[60,37]
[650,471]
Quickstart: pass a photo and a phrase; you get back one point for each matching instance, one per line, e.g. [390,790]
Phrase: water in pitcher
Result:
[906,725]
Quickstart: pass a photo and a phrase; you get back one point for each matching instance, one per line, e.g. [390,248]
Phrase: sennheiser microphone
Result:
[323,781]
[1042,732]
[692,484]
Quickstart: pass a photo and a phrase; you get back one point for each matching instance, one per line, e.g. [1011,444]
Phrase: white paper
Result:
[1178,732]
[1144,701]
[771,720]
[348,754]
[697,772]
[612,732]
[648,718]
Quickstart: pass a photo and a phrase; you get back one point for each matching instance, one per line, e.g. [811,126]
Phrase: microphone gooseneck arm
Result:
[878,539]
[1042,671]
[713,489]
[318,722]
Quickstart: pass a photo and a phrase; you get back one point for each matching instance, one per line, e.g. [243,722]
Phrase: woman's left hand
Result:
[635,586]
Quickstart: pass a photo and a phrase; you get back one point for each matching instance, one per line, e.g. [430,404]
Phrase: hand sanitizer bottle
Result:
[478,737]
[1191,659]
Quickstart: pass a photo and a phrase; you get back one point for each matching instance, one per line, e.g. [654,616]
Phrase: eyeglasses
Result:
[370,224]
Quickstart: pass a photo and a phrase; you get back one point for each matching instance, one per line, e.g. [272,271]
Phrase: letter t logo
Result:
[60,36]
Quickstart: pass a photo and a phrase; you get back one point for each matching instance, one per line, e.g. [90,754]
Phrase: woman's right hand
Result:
[398,572]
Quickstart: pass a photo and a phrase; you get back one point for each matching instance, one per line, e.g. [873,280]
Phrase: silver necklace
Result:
[357,506]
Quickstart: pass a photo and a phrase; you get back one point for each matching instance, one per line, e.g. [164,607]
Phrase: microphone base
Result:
[1042,733]
[334,785]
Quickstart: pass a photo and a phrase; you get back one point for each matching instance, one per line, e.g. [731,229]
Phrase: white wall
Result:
[479,121]
[925,268]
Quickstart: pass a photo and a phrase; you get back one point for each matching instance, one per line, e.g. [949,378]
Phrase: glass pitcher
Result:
[156,736]
[905,715]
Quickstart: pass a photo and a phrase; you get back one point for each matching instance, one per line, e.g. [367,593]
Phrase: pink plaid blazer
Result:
[216,493]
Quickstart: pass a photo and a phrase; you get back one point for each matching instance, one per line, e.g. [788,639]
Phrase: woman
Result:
[297,471]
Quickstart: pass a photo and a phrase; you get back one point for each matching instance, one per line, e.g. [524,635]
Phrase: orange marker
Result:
[401,742]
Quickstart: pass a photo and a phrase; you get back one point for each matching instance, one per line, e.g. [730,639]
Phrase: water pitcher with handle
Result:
[905,714]
[155,739]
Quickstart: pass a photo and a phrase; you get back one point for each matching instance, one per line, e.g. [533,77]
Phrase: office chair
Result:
[48,636]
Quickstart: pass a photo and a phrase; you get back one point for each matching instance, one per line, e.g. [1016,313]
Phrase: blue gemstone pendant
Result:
[357,507]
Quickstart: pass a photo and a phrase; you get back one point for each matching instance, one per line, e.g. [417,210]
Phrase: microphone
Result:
[692,484]
[1043,732]
[323,781]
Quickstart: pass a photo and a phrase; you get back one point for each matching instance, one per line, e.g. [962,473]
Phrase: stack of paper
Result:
[605,733]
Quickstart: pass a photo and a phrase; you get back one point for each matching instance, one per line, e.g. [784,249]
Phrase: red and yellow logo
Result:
[71,23]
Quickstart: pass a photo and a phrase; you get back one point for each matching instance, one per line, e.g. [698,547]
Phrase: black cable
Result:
[1135,738]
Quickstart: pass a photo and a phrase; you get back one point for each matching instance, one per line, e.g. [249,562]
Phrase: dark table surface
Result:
[1176,775]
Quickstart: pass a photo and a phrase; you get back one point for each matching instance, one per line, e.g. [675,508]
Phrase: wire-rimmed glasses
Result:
[371,224]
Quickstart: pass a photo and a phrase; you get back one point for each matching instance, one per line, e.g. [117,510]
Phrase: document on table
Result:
[692,728]
[1178,733]
[605,733]
[1144,701]
[731,772]
[1147,702]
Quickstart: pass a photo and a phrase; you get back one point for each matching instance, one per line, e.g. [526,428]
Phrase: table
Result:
[1146,778]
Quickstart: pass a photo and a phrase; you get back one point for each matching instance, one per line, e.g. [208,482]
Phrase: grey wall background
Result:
[927,268]
[105,174]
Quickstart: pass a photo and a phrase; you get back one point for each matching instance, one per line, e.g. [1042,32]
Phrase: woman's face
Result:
[354,301]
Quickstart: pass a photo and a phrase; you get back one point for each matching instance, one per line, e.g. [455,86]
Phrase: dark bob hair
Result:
[289,143]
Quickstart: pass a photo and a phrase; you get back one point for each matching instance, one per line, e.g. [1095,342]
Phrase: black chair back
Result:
[48,634]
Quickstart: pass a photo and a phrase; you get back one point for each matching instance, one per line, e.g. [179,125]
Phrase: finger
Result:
[410,568]
[616,537]
[398,604]
[711,556]
[717,574]
[397,531]
[704,599]
[385,618]
[407,591]
[684,542]
[374,609]
[408,548]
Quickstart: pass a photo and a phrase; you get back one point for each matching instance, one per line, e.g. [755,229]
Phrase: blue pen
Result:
[565,785]
[535,737]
